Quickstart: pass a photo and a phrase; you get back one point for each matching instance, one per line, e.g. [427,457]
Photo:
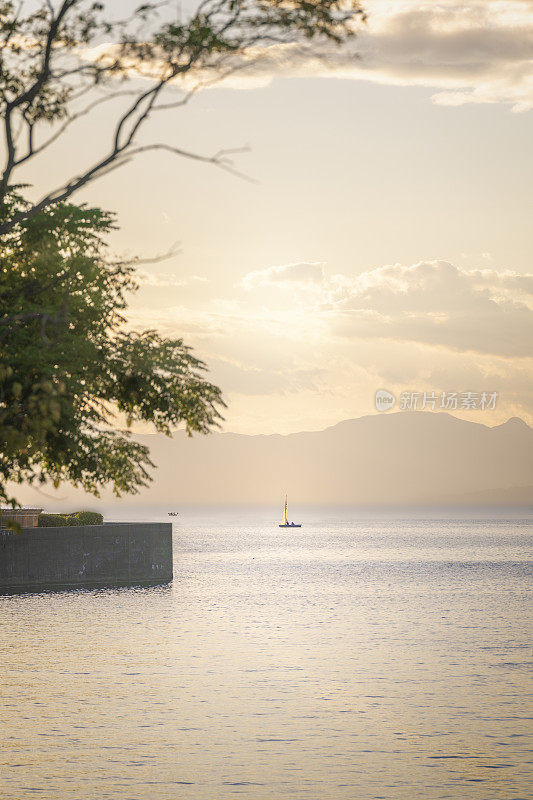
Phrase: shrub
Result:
[52,521]
[85,518]
[64,520]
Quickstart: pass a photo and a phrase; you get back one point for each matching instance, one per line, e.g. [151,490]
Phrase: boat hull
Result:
[290,525]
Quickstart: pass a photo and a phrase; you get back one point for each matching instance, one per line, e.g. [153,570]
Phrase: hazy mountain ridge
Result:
[390,459]
[394,459]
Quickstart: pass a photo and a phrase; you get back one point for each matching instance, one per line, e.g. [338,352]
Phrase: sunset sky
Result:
[385,239]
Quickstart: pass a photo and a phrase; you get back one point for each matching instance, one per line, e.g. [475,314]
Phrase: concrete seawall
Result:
[86,557]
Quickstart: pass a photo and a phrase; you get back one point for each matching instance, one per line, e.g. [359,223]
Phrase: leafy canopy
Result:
[68,364]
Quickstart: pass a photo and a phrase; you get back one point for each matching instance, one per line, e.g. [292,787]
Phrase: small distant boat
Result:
[285,522]
[173,513]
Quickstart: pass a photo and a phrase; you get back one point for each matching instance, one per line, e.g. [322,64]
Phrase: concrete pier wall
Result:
[85,557]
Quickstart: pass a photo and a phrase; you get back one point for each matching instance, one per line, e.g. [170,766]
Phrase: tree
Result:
[51,74]
[68,364]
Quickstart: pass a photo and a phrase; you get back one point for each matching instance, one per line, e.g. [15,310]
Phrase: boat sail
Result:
[285,520]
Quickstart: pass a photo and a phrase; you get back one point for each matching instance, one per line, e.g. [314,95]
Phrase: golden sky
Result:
[385,241]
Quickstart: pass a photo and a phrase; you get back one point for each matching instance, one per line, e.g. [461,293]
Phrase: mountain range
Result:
[391,459]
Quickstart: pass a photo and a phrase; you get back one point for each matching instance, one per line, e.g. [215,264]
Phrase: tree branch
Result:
[220,38]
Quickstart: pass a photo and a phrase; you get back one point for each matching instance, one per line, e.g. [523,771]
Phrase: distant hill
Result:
[402,458]
[512,496]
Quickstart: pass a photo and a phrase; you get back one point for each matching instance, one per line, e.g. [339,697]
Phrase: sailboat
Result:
[285,522]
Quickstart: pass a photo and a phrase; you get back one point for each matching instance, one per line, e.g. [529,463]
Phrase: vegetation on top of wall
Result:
[52,521]
[65,520]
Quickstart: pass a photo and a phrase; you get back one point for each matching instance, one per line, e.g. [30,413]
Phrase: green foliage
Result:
[75,518]
[53,521]
[85,518]
[67,364]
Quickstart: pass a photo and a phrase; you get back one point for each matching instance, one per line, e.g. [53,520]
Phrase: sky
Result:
[383,238]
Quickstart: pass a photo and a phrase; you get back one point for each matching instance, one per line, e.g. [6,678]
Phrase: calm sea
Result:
[352,658]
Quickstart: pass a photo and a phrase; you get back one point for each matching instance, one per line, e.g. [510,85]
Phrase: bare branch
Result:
[218,159]
[41,82]
[33,151]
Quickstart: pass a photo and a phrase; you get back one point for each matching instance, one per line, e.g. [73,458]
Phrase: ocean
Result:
[361,656]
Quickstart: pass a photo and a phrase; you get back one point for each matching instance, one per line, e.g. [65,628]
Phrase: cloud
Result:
[430,303]
[469,51]
[310,347]
[285,275]
[477,51]
[437,303]
[509,283]
[249,379]
[165,279]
